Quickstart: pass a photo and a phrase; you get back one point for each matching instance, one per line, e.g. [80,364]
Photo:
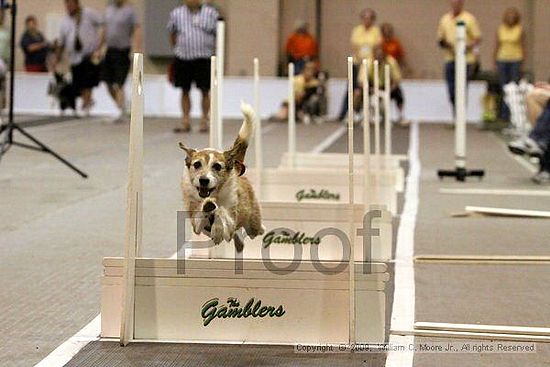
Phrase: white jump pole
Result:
[258,135]
[134,206]
[291,117]
[366,136]
[351,202]
[212,139]
[387,112]
[220,51]
[376,110]
[460,97]
[460,172]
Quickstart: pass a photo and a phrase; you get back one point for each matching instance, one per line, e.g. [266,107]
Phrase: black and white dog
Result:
[63,91]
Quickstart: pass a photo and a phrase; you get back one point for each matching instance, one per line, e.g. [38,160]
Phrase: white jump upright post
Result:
[351,206]
[291,116]
[387,112]
[220,51]
[366,136]
[213,139]
[258,134]
[134,213]
[460,173]
[376,77]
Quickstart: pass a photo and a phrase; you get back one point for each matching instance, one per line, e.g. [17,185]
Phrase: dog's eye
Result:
[197,165]
[217,166]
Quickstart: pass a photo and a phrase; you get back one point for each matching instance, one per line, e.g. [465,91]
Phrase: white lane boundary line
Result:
[329,140]
[66,351]
[91,332]
[402,316]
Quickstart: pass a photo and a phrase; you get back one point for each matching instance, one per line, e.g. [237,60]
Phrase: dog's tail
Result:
[247,128]
[238,150]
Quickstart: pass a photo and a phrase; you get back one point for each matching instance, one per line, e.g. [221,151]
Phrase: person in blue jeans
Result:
[509,52]
[537,144]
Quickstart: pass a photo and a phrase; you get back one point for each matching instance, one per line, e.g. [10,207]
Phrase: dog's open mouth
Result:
[205,192]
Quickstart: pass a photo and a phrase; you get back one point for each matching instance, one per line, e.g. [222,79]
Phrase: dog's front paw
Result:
[217,233]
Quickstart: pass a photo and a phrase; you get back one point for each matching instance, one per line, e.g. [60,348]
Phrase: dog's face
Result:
[210,169]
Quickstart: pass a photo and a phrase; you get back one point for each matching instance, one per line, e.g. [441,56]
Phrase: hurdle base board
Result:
[390,164]
[508,212]
[296,185]
[308,219]
[170,306]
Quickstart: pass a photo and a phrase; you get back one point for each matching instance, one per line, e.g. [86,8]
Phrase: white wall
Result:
[425,100]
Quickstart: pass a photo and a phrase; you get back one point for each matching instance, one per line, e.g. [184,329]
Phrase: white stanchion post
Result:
[258,135]
[351,205]
[291,117]
[366,136]
[460,172]
[376,110]
[134,208]
[220,51]
[460,96]
[212,137]
[387,111]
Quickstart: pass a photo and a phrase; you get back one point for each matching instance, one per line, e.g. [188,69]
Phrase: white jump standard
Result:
[460,173]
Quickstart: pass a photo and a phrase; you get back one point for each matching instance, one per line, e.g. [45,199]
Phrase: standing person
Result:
[34,46]
[509,52]
[192,28]
[301,46]
[446,34]
[82,37]
[364,38]
[121,23]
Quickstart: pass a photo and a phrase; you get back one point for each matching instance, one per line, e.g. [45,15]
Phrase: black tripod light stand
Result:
[8,129]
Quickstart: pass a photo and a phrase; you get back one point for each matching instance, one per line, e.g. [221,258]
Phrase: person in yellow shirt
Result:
[446,34]
[396,93]
[509,52]
[364,38]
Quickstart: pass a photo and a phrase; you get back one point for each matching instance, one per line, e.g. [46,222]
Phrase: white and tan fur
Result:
[221,199]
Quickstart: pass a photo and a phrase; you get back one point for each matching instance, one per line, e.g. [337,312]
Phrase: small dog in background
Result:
[63,92]
[221,199]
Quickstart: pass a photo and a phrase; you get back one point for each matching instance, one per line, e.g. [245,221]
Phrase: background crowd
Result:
[97,48]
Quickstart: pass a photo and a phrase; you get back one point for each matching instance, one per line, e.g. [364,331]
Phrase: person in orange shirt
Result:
[301,46]
[392,46]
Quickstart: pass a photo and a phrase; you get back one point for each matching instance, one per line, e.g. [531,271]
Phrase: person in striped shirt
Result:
[192,28]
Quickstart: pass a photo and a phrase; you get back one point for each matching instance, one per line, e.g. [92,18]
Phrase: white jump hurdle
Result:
[146,299]
[287,201]
[316,184]
[387,165]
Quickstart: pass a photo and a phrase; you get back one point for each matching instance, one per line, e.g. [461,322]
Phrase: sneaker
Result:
[525,145]
[542,178]
[306,119]
[184,128]
[319,120]
[358,117]
[204,126]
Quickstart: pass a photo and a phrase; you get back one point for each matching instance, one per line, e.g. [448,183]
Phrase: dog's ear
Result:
[189,152]
[240,167]
[236,153]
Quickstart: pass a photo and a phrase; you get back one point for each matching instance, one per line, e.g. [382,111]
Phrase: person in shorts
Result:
[121,23]
[82,37]
[192,28]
